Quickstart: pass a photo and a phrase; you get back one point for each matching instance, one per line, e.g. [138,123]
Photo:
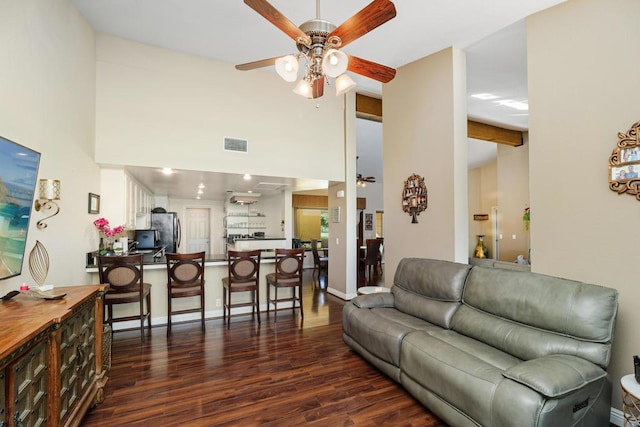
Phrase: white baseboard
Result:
[616,417]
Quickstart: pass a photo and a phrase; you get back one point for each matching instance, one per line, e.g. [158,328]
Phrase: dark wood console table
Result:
[51,357]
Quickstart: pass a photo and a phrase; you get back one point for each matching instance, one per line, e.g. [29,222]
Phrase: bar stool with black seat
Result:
[243,268]
[185,278]
[288,274]
[124,275]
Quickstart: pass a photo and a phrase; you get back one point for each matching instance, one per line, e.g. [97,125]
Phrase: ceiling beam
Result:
[491,133]
[370,108]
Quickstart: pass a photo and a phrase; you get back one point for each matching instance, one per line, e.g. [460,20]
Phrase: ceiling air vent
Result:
[236,144]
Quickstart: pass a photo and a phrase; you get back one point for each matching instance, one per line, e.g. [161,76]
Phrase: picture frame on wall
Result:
[94,203]
[368,222]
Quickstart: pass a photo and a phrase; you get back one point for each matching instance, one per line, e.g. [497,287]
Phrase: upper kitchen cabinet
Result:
[123,200]
[138,204]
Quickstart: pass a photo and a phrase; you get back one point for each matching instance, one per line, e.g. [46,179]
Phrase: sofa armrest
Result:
[380,299]
[555,375]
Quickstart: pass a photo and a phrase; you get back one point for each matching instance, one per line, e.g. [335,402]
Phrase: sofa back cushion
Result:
[531,315]
[429,289]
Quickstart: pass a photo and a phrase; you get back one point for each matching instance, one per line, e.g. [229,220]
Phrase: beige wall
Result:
[158,108]
[343,259]
[47,88]
[513,197]
[583,90]
[483,192]
[425,133]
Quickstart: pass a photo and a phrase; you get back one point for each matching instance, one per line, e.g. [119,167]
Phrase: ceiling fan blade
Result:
[257,64]
[369,179]
[272,15]
[371,16]
[370,69]
[318,88]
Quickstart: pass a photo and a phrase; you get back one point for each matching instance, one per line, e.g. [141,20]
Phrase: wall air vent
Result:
[236,144]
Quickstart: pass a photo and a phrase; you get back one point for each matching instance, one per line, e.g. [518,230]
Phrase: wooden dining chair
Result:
[185,278]
[380,258]
[320,263]
[124,275]
[243,275]
[288,274]
[372,258]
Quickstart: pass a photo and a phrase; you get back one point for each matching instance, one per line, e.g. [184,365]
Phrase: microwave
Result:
[147,239]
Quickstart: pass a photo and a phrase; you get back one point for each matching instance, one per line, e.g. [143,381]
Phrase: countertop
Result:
[258,238]
[211,259]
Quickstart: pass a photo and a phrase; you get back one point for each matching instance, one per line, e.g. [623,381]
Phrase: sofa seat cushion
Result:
[491,355]
[458,377]
[381,331]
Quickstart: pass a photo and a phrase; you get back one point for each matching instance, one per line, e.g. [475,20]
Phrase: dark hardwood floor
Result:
[284,373]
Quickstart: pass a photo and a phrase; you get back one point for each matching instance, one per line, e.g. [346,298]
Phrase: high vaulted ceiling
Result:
[491,32]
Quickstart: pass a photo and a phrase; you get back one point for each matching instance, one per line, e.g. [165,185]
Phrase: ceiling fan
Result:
[318,43]
[361,181]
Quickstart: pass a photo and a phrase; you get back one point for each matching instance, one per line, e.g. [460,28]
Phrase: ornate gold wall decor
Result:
[414,196]
[624,163]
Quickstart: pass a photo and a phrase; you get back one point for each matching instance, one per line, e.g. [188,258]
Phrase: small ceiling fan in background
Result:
[361,181]
[318,43]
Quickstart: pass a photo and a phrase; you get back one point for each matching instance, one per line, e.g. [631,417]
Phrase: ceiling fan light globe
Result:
[303,88]
[334,63]
[287,68]
[344,84]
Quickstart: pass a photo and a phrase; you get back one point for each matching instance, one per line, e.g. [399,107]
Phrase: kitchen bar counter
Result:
[155,273]
[251,243]
[150,262]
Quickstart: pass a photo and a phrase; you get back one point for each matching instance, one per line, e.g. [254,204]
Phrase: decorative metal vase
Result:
[481,250]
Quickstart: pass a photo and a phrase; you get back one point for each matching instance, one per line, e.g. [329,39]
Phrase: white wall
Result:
[425,133]
[47,88]
[583,90]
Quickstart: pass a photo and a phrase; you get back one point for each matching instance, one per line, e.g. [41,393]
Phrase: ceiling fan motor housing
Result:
[317,30]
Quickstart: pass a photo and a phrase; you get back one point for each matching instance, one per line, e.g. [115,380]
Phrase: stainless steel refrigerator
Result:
[168,226]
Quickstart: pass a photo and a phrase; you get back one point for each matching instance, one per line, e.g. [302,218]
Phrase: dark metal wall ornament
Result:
[624,163]
[414,196]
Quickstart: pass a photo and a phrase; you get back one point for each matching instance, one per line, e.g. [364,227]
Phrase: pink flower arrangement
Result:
[105,229]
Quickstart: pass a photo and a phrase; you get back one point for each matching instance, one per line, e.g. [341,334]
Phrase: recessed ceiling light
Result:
[167,171]
[518,105]
[201,185]
[485,96]
[250,191]
[200,191]
[197,197]
[247,177]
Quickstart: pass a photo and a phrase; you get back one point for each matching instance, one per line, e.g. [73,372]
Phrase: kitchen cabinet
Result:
[51,357]
[138,204]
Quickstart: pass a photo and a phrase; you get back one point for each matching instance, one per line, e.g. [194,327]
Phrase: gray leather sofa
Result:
[491,347]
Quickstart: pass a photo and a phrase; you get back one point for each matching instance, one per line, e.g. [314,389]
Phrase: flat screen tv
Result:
[18,175]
